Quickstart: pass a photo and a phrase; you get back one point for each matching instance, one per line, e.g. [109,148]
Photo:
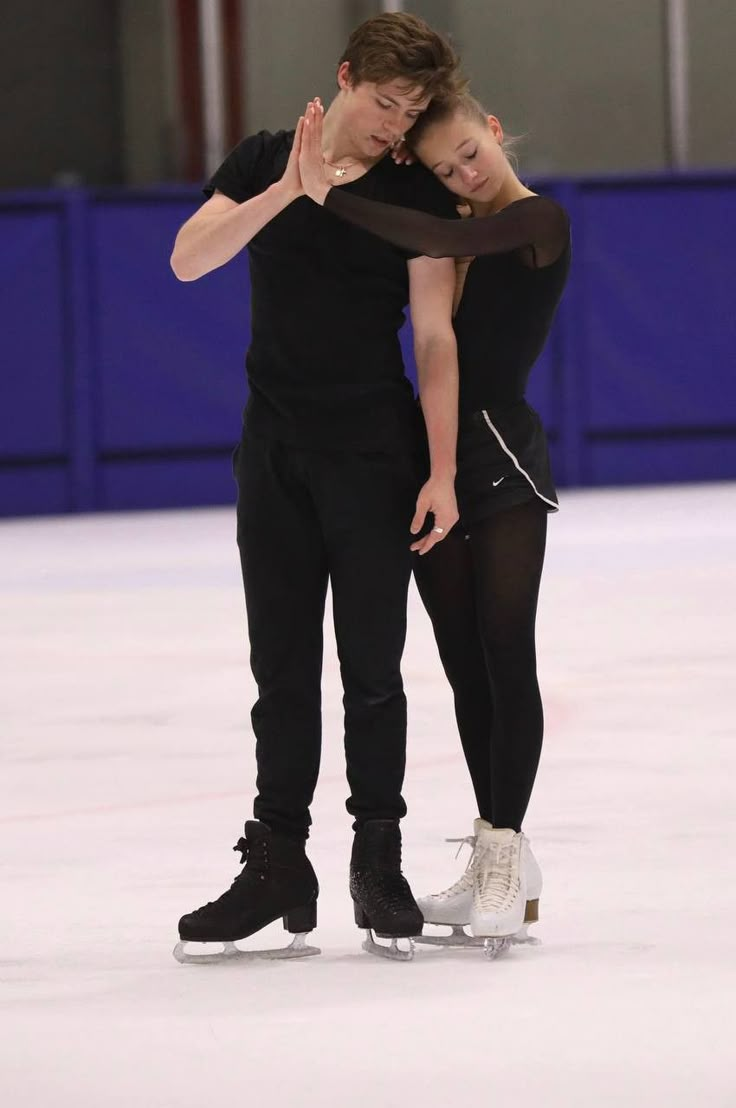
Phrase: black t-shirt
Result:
[512,288]
[327,300]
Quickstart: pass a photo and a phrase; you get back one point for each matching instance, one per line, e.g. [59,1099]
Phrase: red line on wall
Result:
[233,62]
[190,89]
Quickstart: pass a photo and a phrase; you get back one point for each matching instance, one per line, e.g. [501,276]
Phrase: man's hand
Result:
[291,182]
[437,497]
[311,161]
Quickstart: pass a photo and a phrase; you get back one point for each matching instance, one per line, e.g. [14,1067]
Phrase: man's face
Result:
[377,115]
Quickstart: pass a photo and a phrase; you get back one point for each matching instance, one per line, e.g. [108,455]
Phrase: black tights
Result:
[481,595]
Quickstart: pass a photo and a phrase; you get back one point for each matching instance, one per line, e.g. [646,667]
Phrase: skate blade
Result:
[458,937]
[393,953]
[522,937]
[232,953]
[495,946]
[492,945]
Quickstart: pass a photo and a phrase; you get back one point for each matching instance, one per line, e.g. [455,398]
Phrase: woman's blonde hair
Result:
[447,107]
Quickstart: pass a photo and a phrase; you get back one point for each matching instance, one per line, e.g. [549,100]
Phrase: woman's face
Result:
[466,156]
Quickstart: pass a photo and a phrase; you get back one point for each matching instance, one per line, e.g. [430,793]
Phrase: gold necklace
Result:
[340,170]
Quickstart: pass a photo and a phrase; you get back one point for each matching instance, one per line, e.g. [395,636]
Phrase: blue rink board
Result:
[123,388]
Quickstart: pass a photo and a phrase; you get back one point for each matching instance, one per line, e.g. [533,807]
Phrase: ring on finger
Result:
[438,530]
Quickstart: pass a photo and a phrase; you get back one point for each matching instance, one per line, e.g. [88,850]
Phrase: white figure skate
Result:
[454,907]
[505,876]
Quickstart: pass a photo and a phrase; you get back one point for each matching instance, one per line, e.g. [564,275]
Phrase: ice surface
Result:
[127,774]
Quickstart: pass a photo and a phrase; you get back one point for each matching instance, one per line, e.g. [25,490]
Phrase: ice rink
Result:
[127,775]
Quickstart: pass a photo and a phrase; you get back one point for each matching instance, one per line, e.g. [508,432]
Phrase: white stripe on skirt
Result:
[515,460]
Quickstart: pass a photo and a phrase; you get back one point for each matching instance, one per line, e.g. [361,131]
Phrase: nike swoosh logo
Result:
[498,482]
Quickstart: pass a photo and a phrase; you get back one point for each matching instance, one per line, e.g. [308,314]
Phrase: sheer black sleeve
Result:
[536,225]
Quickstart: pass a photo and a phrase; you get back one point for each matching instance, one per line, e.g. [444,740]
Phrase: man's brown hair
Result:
[397,46]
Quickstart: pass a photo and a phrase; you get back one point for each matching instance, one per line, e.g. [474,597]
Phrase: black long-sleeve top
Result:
[521,258]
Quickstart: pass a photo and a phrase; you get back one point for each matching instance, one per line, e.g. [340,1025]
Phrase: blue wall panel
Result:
[167,482]
[33,413]
[170,356]
[544,390]
[122,387]
[42,489]
[636,461]
[658,304]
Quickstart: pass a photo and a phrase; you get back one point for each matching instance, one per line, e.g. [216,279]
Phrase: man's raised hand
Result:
[291,181]
[311,161]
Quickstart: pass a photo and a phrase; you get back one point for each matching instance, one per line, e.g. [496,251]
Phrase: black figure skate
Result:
[382,899]
[277,881]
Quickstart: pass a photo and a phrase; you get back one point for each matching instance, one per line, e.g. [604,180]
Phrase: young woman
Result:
[480,586]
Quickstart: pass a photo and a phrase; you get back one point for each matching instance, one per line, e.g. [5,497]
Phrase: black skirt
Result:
[502,461]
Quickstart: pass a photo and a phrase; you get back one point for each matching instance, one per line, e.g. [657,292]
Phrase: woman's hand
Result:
[401,155]
[311,162]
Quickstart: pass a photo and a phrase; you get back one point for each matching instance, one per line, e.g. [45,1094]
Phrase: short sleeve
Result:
[242,175]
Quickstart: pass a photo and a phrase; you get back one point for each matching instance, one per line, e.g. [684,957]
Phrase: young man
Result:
[328,469]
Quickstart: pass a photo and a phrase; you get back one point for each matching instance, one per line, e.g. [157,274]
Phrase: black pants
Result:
[306,517]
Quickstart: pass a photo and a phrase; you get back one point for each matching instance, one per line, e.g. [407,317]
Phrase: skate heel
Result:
[531,915]
[300,920]
[361,919]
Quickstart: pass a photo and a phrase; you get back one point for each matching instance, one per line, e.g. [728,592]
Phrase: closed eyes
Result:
[387,105]
[468,158]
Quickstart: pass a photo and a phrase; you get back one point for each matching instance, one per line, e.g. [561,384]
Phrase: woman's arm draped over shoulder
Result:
[534,222]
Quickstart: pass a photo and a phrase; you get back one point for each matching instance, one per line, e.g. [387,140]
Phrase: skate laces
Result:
[255,860]
[496,875]
[469,840]
[253,855]
[465,881]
